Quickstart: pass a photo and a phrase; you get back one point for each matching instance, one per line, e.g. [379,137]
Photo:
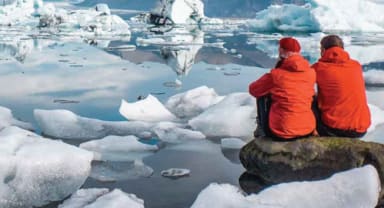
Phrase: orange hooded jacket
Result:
[291,87]
[341,91]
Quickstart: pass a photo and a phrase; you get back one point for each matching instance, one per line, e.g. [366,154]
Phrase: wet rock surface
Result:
[309,159]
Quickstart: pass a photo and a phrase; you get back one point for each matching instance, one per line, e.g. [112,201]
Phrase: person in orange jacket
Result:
[341,97]
[285,95]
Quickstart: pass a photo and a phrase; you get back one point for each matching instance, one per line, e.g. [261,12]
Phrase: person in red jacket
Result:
[285,95]
[341,97]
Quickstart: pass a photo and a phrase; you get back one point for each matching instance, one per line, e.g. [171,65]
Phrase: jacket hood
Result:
[295,63]
[335,55]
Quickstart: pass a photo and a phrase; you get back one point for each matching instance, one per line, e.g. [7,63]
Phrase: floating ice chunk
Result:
[232,143]
[234,116]
[99,198]
[118,148]
[287,17]
[103,9]
[96,21]
[16,11]
[117,171]
[83,197]
[175,172]
[65,124]
[377,117]
[374,78]
[7,119]
[192,102]
[173,133]
[149,109]
[35,171]
[181,11]
[359,187]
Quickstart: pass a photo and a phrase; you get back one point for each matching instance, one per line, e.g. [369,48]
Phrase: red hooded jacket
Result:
[291,87]
[341,91]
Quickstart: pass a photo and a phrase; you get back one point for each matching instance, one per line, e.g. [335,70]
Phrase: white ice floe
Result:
[83,197]
[65,124]
[118,171]
[119,148]
[232,143]
[377,117]
[149,109]
[234,116]
[321,15]
[174,133]
[175,172]
[192,102]
[180,11]
[102,198]
[35,171]
[7,119]
[359,187]
[374,77]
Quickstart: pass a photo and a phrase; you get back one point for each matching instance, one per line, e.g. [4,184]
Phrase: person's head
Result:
[330,41]
[288,46]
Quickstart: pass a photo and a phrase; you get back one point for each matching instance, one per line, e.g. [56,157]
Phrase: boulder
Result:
[309,159]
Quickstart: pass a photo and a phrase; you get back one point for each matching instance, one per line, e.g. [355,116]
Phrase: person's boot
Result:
[259,132]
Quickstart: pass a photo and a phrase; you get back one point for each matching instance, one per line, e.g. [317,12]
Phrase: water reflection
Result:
[181,57]
[250,183]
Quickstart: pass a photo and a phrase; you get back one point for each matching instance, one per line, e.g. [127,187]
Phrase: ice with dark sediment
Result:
[36,171]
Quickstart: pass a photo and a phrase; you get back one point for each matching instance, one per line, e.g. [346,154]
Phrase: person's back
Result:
[291,89]
[341,91]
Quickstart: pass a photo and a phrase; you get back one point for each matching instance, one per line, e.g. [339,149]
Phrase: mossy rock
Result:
[310,158]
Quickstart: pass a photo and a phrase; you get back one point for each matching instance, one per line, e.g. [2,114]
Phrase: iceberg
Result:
[118,148]
[101,198]
[36,171]
[65,124]
[177,12]
[234,116]
[359,187]
[96,21]
[192,102]
[149,109]
[17,12]
[321,15]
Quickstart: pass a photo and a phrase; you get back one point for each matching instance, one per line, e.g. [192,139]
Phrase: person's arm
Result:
[262,86]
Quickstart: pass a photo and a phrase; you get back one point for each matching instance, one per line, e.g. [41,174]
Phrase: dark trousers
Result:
[263,109]
[324,130]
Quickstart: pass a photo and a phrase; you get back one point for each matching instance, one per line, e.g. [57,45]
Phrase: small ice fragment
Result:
[175,172]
